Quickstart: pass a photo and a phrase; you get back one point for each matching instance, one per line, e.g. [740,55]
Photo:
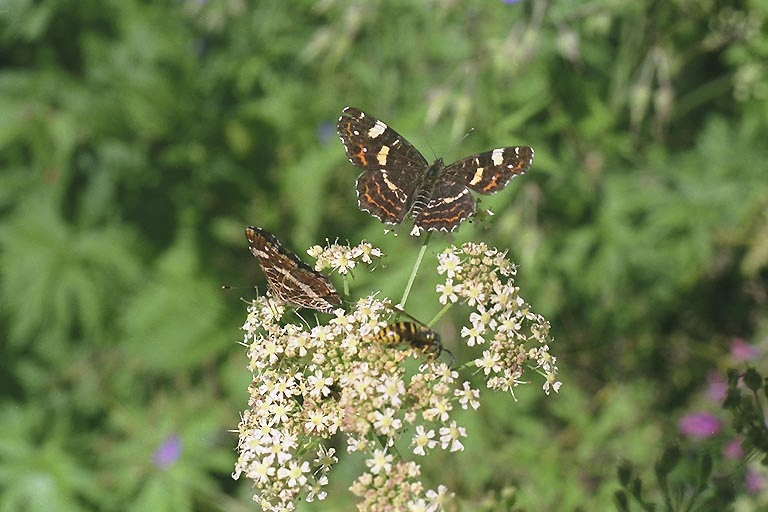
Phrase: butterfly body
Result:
[397,180]
[290,280]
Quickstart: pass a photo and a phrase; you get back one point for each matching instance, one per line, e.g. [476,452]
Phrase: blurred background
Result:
[138,139]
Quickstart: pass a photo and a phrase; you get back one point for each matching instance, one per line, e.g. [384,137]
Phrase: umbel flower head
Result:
[313,382]
[512,336]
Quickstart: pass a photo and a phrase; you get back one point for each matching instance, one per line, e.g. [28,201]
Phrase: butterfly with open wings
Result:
[397,179]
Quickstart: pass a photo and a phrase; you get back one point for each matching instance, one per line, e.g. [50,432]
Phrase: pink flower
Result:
[168,452]
[700,425]
[716,387]
[742,351]
[754,481]
[732,449]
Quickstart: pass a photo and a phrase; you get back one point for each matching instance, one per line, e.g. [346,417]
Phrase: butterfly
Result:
[290,280]
[397,179]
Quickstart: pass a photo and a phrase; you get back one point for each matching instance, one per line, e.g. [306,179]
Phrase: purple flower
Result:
[742,351]
[755,481]
[732,449]
[325,132]
[716,387]
[168,452]
[700,425]
[510,1]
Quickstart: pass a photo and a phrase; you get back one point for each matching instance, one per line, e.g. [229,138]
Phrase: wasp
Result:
[419,337]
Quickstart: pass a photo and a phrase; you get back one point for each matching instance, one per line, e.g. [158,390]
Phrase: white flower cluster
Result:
[393,485]
[513,337]
[310,383]
[343,258]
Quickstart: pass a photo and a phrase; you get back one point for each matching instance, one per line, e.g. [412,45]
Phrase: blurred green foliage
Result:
[137,139]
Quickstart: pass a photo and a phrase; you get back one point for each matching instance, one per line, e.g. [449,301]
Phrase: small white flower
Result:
[438,499]
[467,396]
[473,334]
[381,461]
[482,317]
[440,409]
[260,471]
[450,436]
[342,260]
[319,385]
[316,421]
[420,505]
[280,412]
[473,291]
[448,291]
[317,489]
[294,474]
[551,382]
[326,457]
[392,389]
[356,444]
[450,264]
[385,422]
[489,363]
[423,439]
[365,252]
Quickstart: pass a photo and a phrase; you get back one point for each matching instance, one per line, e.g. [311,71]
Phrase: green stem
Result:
[415,270]
[382,439]
[440,314]
[346,286]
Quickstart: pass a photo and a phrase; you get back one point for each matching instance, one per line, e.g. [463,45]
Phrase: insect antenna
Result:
[453,359]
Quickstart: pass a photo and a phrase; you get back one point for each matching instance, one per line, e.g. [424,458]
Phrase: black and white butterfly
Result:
[397,179]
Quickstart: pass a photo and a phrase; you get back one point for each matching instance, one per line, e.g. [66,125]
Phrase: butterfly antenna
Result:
[273,306]
[471,129]
[225,286]
[434,155]
[296,312]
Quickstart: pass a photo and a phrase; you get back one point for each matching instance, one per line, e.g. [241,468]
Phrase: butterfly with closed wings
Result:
[290,280]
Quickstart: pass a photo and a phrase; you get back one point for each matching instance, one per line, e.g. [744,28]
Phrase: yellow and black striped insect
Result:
[419,337]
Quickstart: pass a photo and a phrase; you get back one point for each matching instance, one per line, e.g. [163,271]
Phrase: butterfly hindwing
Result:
[449,204]
[387,196]
[289,279]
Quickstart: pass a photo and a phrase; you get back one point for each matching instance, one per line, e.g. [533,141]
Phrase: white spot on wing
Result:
[478,176]
[497,156]
[448,200]
[377,129]
[390,185]
[382,156]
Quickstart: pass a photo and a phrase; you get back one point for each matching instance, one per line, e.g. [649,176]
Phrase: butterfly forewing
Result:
[490,172]
[393,166]
[289,279]
[371,144]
